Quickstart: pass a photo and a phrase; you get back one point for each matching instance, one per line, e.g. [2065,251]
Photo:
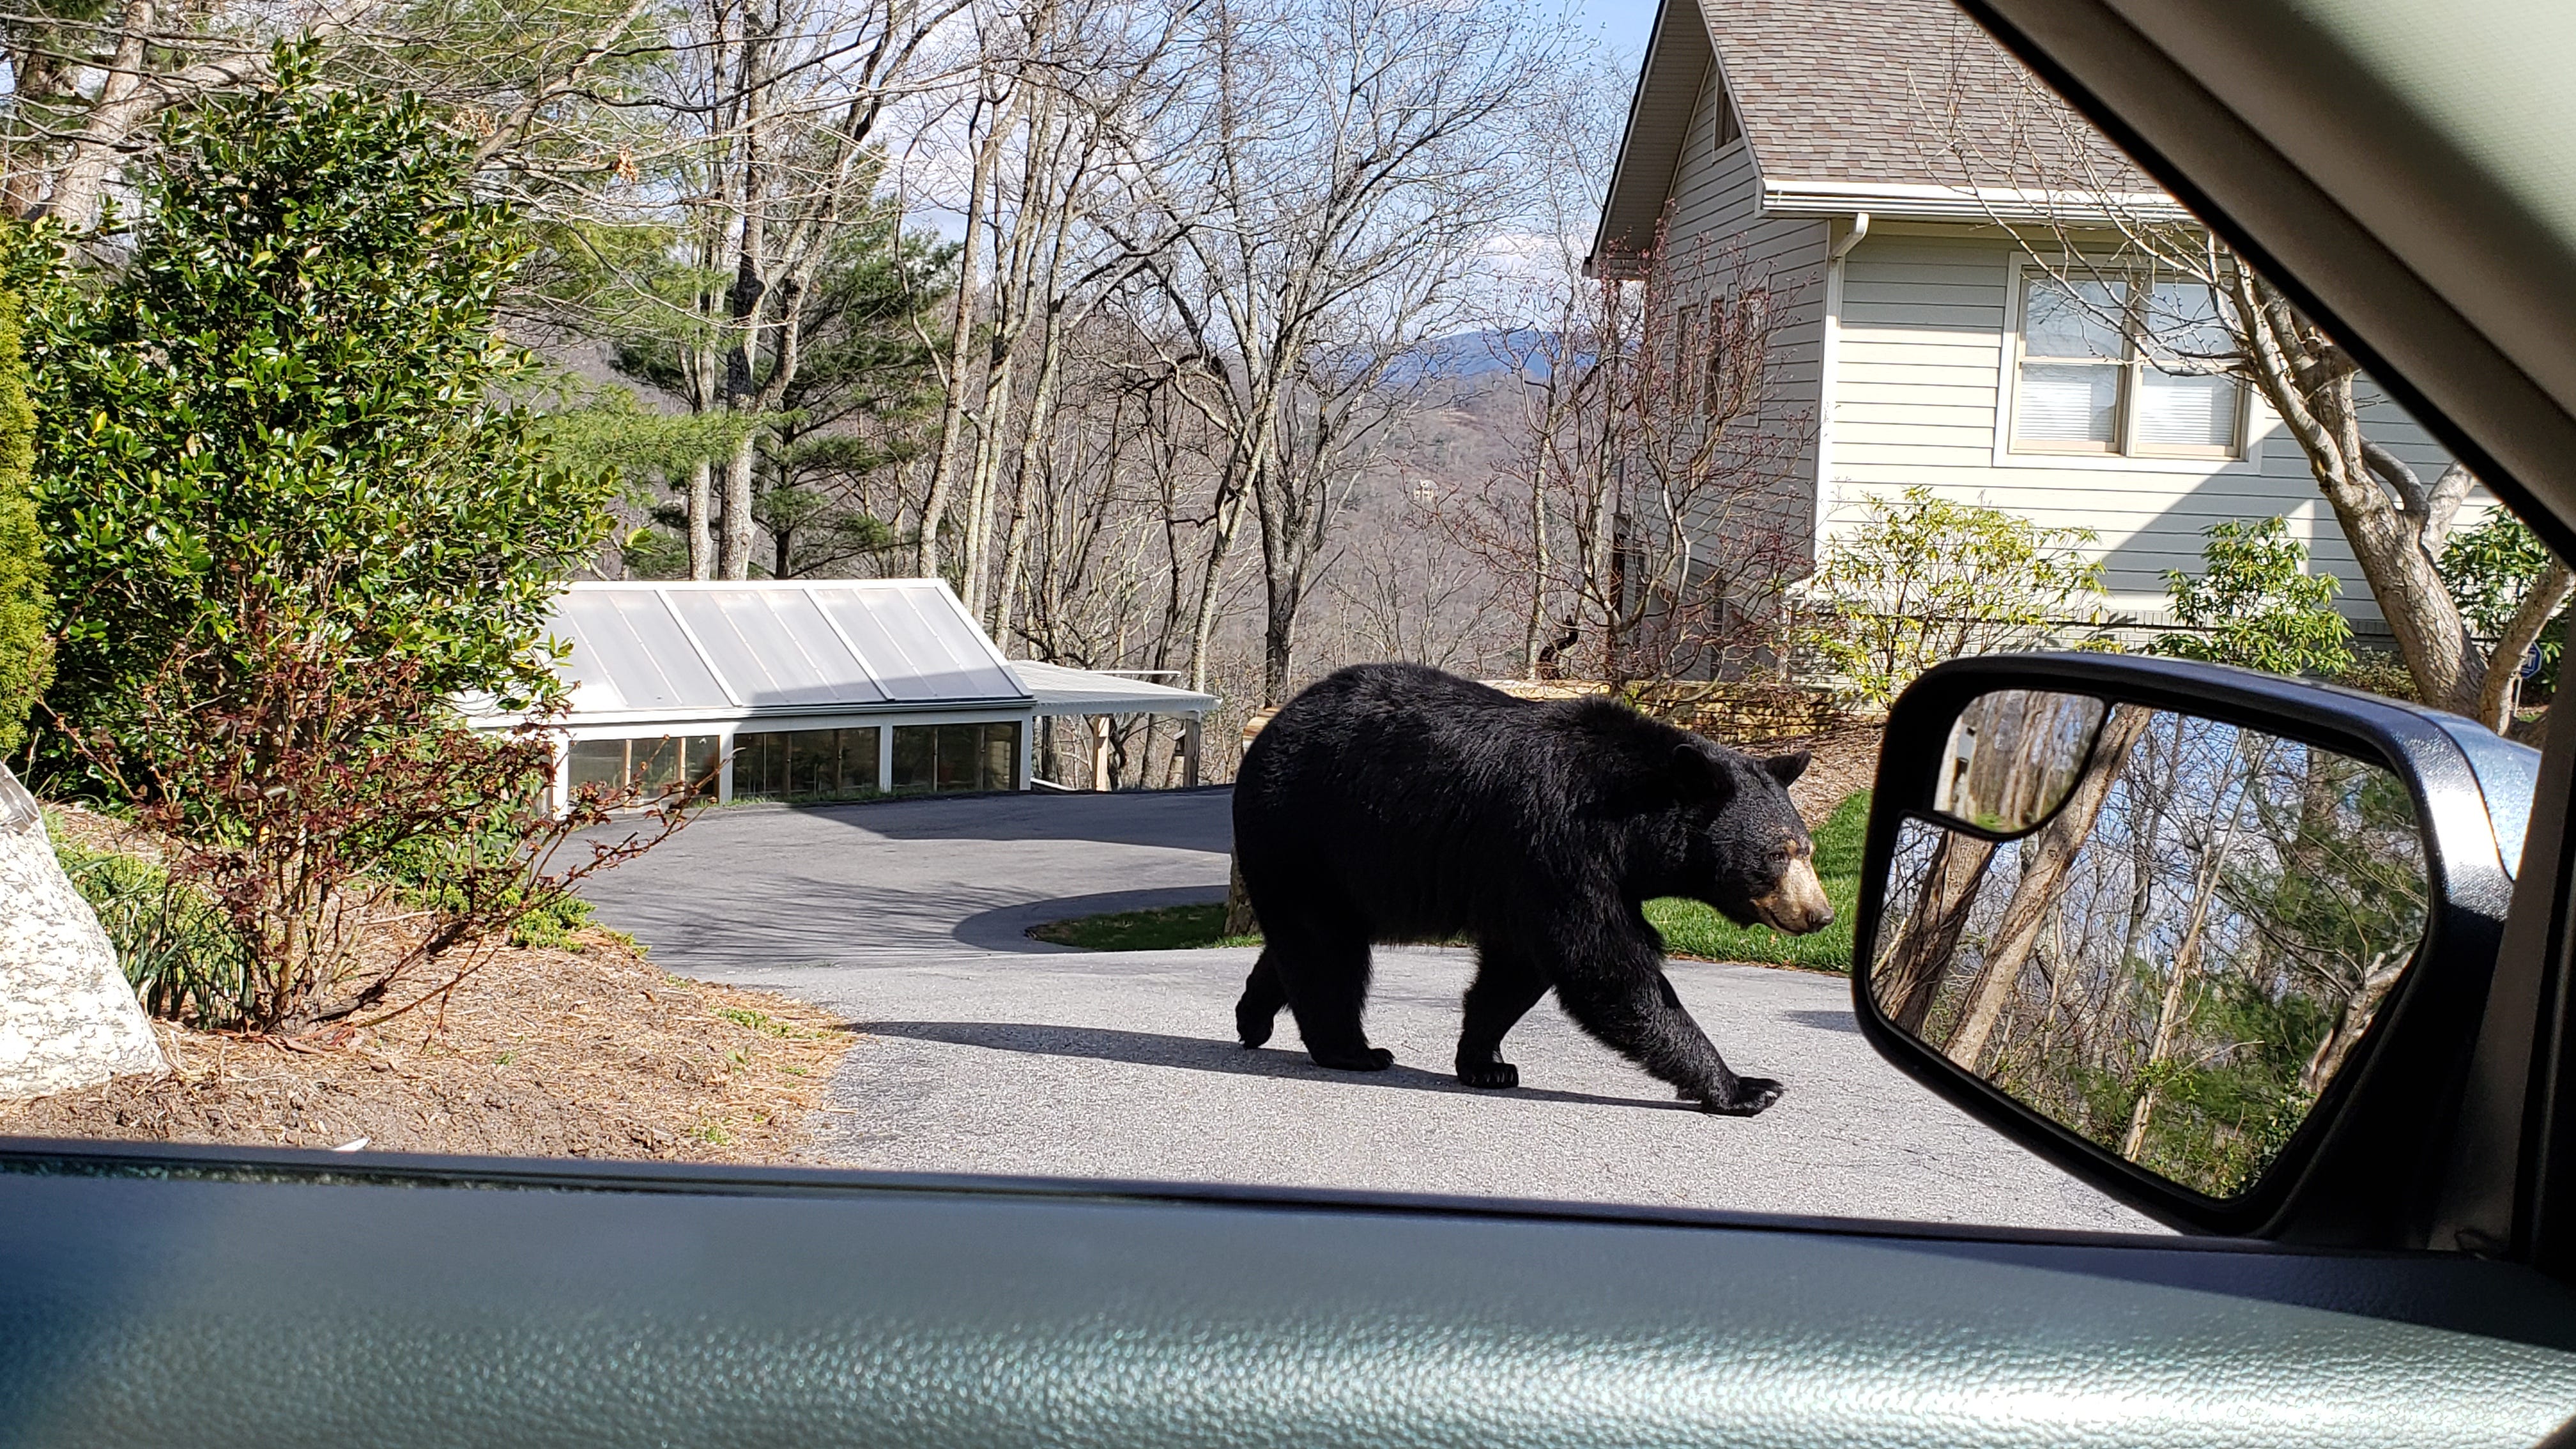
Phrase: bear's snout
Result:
[1797,904]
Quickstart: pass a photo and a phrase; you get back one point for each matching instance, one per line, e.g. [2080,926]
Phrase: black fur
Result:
[1392,802]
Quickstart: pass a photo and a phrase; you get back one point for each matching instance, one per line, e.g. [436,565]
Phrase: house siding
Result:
[1916,399]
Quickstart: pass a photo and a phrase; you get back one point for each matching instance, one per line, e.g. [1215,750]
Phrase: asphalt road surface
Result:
[987,1052]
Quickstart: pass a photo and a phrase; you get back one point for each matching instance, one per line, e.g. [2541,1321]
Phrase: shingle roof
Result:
[1831,91]
[1835,94]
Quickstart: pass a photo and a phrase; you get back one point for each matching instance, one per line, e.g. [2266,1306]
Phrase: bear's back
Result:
[1426,801]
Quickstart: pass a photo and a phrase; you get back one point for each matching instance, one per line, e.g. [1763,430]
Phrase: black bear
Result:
[1392,802]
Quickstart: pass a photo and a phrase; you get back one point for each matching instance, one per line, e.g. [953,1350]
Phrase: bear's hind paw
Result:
[1366,1059]
[1489,1076]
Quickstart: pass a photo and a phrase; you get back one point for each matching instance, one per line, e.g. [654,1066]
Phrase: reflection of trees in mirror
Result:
[2183,957]
[2014,755]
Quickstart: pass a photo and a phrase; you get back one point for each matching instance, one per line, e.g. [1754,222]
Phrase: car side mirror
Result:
[2214,941]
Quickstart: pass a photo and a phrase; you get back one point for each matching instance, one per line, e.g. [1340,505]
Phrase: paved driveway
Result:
[989,1052]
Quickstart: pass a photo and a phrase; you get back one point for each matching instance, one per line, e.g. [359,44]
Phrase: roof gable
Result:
[1838,101]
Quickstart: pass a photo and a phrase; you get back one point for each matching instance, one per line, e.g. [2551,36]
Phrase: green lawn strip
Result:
[1692,929]
[1689,928]
[1165,928]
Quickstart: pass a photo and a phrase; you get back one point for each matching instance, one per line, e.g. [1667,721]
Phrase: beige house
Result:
[1821,143]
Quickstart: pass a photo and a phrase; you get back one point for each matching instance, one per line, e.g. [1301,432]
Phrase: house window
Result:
[2086,385]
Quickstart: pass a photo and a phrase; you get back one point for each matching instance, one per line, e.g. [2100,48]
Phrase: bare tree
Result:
[1650,507]
[1344,169]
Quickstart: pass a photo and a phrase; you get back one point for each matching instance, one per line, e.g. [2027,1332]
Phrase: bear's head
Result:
[1749,855]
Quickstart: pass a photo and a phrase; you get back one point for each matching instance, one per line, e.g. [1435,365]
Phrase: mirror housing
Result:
[2359,1172]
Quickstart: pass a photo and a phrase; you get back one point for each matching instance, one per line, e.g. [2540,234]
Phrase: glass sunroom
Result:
[807,691]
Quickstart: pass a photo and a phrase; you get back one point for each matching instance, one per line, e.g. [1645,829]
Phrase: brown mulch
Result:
[588,1052]
[1841,760]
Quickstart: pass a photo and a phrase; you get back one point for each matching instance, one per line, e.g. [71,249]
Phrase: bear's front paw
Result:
[1490,1076]
[1252,1027]
[1366,1059]
[1751,1095]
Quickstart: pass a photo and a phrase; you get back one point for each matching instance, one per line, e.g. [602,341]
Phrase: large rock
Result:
[67,1017]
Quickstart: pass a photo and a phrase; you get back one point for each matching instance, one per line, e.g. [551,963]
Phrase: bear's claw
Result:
[1489,1076]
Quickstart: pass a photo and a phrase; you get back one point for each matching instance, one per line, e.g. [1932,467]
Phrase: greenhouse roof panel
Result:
[930,648]
[628,652]
[775,645]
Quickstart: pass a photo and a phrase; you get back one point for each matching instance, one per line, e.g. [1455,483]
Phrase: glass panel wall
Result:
[650,767]
[806,764]
[952,758]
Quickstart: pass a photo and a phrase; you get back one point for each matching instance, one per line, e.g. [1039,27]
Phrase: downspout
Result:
[1852,238]
[1827,364]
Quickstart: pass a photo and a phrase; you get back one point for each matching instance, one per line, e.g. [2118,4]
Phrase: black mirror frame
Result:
[2362,1170]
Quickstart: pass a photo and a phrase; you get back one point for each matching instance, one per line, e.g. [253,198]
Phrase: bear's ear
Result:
[1699,775]
[1787,768]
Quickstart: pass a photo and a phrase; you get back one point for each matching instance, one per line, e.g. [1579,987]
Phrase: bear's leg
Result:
[1636,1012]
[1507,985]
[1326,978]
[1258,1011]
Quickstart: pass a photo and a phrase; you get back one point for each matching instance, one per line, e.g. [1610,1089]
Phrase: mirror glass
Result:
[2013,756]
[2182,957]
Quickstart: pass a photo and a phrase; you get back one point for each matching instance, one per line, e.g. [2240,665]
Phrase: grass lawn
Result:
[1165,928]
[1689,928]
[1692,929]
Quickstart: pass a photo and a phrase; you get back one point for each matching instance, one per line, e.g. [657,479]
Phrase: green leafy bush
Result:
[26,653]
[288,402]
[1926,578]
[2490,568]
[2256,605]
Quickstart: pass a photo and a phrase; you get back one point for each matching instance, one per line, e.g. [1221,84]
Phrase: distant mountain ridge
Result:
[1463,355]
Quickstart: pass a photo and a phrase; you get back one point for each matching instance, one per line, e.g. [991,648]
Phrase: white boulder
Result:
[67,1017]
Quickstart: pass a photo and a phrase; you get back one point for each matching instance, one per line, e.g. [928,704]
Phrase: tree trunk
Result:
[734,556]
[2046,855]
[2185,963]
[1907,977]
[961,350]
[702,544]
[2504,664]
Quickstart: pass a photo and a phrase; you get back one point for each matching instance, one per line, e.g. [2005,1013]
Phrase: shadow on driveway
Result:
[1145,1048]
[1200,819]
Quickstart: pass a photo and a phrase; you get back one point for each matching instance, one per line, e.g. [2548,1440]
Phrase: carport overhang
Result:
[1099,694]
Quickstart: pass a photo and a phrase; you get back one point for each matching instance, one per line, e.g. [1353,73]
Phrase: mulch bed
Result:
[1841,760]
[588,1052]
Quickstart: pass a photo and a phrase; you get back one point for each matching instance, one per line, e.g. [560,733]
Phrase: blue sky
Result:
[1623,23]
